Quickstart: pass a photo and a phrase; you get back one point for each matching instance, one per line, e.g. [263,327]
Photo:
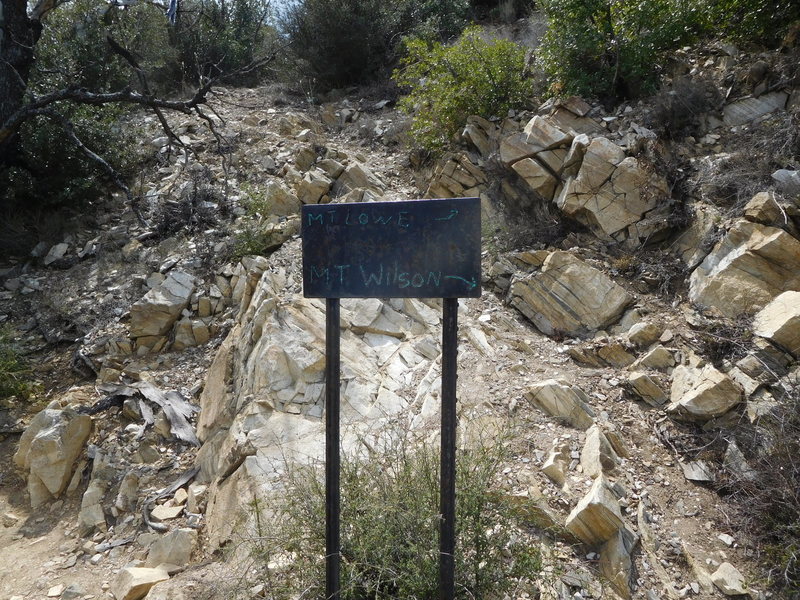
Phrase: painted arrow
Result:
[470,282]
[452,214]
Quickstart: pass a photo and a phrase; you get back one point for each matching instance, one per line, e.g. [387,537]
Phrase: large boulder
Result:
[314,185]
[174,548]
[358,176]
[157,311]
[569,296]
[616,564]
[749,109]
[779,322]
[48,450]
[133,583]
[700,394]
[559,399]
[729,580]
[749,267]
[281,201]
[614,196]
[597,517]
[598,455]
[539,136]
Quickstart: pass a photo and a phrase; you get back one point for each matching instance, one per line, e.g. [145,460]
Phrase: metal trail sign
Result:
[411,249]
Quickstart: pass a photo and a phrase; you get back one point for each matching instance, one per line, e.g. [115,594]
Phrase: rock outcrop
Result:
[752,265]
[569,296]
[702,393]
[562,401]
[779,322]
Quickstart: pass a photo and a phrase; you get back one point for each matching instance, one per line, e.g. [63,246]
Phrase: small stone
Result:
[180,497]
[9,519]
[726,539]
[165,513]
[57,252]
[56,590]
[72,592]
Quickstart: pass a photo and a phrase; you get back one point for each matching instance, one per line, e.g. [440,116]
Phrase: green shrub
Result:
[213,38]
[449,83]
[56,172]
[754,21]
[14,370]
[389,530]
[339,43]
[612,50]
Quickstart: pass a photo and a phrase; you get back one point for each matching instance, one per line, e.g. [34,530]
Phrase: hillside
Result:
[635,342]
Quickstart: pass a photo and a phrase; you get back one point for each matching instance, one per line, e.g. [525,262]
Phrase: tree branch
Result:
[69,130]
[129,58]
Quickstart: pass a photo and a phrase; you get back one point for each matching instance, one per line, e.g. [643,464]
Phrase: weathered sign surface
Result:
[410,249]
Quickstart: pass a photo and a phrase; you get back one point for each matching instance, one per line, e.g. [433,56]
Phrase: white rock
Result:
[174,548]
[702,393]
[48,450]
[597,517]
[729,580]
[154,314]
[745,271]
[559,399]
[569,296]
[133,583]
[597,456]
[779,322]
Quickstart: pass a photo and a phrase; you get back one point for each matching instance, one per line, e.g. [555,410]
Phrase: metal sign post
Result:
[413,249]
[332,459]
[447,485]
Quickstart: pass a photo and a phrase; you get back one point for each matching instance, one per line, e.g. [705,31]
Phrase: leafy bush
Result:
[449,83]
[346,42]
[389,530]
[14,371]
[56,173]
[757,21]
[612,50]
[213,38]
[341,42]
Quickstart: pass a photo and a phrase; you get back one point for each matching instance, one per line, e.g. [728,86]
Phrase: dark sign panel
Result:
[411,249]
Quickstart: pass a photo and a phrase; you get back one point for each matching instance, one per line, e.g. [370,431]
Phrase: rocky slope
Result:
[180,382]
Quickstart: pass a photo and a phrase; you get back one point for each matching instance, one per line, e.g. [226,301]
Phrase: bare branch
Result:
[44,7]
[129,58]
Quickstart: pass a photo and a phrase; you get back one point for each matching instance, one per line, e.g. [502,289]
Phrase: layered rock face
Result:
[590,179]
[262,405]
[567,295]
[749,267]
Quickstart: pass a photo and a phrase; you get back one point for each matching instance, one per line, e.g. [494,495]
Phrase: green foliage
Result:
[345,42]
[209,38]
[214,37]
[14,370]
[341,42]
[755,21]
[449,83]
[58,173]
[612,49]
[389,531]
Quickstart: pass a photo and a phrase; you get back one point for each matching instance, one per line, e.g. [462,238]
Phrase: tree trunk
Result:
[18,36]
